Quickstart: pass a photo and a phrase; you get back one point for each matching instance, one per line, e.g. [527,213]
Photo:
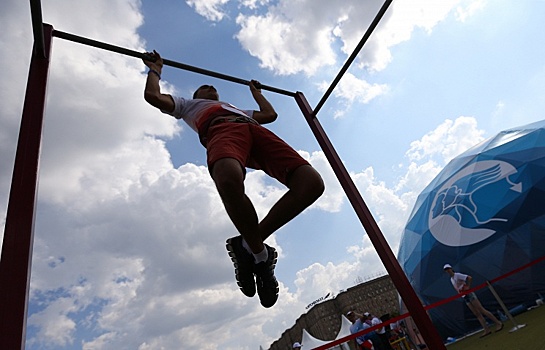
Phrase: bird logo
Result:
[464,209]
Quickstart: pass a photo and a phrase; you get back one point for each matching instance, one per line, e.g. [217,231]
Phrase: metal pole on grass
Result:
[516,325]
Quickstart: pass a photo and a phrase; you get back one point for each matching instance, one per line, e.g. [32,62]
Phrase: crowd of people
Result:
[378,339]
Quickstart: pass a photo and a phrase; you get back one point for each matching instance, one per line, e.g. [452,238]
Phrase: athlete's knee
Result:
[308,182]
[317,185]
[229,186]
[229,178]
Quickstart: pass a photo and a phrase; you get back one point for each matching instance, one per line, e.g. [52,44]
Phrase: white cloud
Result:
[253,4]
[333,196]
[293,37]
[210,9]
[283,46]
[98,20]
[354,90]
[54,324]
[317,280]
[454,137]
[462,13]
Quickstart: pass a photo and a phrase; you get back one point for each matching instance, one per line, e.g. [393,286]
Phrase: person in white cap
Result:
[381,332]
[462,283]
[297,345]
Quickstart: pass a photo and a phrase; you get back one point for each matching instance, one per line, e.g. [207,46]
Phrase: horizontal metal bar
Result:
[128,52]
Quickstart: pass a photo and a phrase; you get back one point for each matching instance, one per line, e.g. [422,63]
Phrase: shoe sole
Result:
[270,303]
[246,290]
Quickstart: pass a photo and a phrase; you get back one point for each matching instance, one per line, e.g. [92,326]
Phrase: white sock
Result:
[261,256]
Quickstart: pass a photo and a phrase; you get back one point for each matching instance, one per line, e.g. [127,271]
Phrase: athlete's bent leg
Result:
[305,187]
[228,175]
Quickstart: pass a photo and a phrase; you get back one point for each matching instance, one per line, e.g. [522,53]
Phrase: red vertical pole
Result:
[427,329]
[15,263]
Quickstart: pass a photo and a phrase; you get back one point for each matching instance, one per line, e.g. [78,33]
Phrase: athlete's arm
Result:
[152,91]
[266,113]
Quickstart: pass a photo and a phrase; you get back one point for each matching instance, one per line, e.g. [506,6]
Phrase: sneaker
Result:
[267,285]
[244,265]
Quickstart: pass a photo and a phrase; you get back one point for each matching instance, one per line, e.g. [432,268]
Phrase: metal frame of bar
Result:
[403,286]
[37,28]
[16,259]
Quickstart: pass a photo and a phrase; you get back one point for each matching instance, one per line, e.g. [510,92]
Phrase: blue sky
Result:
[129,243]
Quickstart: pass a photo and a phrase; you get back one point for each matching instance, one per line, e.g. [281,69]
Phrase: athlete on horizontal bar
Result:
[235,140]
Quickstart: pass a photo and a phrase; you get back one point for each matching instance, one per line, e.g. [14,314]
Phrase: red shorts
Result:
[254,147]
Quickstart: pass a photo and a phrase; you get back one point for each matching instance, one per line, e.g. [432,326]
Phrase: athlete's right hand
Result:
[153,60]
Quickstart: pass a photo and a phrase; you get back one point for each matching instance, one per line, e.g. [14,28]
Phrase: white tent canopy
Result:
[309,342]
[345,328]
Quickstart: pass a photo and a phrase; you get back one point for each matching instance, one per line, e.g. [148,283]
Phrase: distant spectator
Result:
[381,332]
[462,283]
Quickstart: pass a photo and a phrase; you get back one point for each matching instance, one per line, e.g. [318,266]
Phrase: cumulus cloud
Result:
[253,4]
[300,36]
[317,280]
[283,46]
[303,36]
[462,13]
[211,9]
[352,89]
[54,324]
[453,136]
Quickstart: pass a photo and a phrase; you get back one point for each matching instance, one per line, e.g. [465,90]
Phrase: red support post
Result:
[15,263]
[427,329]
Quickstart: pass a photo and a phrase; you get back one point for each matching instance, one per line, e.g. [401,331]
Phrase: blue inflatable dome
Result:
[485,215]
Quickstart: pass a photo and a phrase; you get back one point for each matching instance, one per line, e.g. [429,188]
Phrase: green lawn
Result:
[530,337]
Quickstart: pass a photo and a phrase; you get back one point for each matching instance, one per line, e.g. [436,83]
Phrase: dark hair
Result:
[196,91]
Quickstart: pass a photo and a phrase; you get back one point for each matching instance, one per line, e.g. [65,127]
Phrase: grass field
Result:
[530,337]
